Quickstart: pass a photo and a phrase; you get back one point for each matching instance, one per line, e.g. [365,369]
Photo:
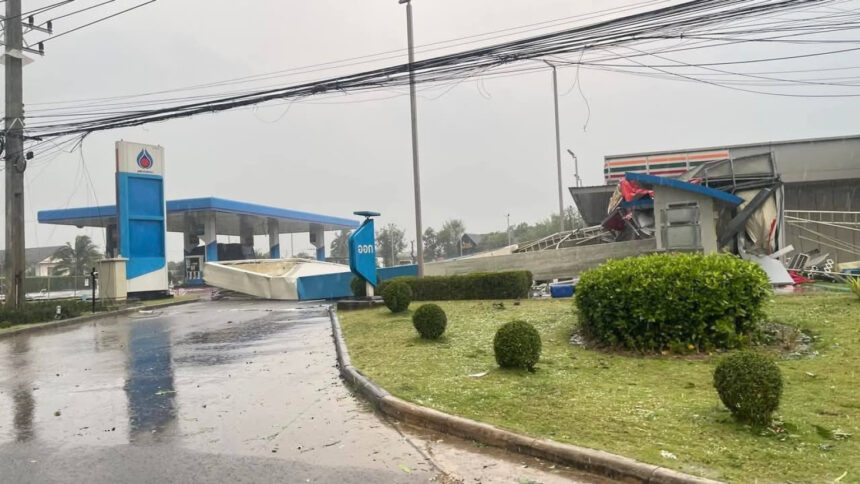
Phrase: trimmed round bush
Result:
[430,321]
[397,296]
[750,386]
[672,301]
[517,345]
[357,285]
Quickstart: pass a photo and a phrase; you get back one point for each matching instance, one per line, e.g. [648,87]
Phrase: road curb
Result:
[35,328]
[590,460]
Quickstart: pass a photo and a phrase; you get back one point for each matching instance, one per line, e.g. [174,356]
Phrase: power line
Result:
[99,20]
[673,22]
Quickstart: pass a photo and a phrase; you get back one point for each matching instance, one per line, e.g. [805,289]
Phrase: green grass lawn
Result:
[629,405]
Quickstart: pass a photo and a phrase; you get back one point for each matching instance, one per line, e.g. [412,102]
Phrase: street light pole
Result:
[416,173]
[557,147]
[575,168]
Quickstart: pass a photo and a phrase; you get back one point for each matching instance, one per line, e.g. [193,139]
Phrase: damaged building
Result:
[799,199]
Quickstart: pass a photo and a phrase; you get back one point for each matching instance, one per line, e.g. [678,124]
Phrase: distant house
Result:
[472,243]
[40,260]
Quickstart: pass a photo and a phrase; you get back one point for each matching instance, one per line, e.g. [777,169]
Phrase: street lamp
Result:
[416,173]
[575,168]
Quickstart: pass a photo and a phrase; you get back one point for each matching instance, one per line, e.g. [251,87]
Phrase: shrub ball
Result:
[750,386]
[397,296]
[430,321]
[517,345]
[358,287]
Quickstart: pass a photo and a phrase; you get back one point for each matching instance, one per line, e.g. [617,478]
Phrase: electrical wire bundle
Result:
[616,45]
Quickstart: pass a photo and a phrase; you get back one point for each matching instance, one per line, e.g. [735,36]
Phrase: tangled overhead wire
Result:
[612,45]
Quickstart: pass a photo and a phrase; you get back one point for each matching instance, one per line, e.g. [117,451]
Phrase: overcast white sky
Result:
[486,150]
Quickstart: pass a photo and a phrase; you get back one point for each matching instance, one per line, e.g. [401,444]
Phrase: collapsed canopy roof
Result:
[228,217]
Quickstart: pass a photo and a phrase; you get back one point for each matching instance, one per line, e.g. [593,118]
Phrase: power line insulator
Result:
[42,47]
[31,20]
[50,25]
[29,155]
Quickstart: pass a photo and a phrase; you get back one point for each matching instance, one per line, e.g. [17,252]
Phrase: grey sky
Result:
[487,148]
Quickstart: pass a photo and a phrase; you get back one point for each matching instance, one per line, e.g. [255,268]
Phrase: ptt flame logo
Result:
[144,160]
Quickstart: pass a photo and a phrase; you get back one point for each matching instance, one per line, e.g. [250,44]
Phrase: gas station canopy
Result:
[229,216]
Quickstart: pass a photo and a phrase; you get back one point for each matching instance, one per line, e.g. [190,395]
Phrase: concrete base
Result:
[365,303]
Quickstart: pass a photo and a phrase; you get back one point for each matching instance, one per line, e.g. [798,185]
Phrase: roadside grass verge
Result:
[650,408]
[83,309]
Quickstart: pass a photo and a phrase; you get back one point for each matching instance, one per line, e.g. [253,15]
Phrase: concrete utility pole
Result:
[416,172]
[16,163]
[509,229]
[557,147]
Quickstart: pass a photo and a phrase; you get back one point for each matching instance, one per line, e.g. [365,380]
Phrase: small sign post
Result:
[362,251]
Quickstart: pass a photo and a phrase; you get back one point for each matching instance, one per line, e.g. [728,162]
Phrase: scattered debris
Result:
[668,455]
[479,375]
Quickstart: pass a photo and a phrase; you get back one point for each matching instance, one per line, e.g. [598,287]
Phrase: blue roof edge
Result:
[681,185]
[200,204]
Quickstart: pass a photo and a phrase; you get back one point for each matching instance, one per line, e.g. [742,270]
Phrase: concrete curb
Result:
[594,461]
[35,328]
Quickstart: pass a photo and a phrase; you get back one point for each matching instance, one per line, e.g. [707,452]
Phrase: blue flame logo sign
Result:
[145,160]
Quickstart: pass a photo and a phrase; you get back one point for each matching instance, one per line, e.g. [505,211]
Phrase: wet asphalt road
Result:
[228,391]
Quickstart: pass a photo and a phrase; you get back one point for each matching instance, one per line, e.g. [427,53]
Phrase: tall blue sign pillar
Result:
[141,215]
[362,251]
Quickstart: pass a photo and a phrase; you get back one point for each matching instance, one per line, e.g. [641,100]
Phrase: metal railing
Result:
[810,222]
[560,240]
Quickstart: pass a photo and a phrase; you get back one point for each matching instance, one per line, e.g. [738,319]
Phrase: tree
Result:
[339,248]
[78,259]
[390,242]
[431,244]
[450,238]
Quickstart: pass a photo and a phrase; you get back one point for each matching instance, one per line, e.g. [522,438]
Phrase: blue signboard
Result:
[141,215]
[362,252]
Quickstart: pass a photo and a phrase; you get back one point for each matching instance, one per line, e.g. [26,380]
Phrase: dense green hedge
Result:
[38,312]
[483,285]
[679,302]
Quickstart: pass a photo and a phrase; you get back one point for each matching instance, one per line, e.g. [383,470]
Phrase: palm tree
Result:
[77,260]
[340,245]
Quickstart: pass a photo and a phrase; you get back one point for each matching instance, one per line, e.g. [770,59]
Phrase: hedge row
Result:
[485,285]
[673,301]
[39,312]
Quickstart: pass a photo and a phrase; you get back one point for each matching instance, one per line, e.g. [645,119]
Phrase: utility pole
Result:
[16,163]
[557,147]
[416,173]
[509,229]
